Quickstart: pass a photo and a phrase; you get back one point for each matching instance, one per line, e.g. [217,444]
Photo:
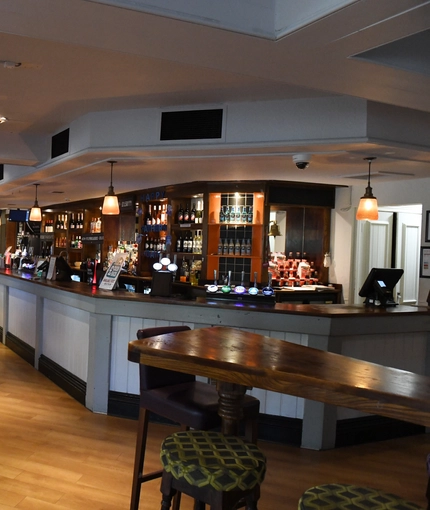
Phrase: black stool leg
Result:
[167,491]
[138,476]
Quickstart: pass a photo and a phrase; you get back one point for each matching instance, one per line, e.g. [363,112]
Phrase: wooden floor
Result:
[55,454]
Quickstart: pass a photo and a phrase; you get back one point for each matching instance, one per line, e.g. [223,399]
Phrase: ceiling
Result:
[62,59]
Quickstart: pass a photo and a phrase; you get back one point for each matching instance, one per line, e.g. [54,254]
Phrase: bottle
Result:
[244,215]
[243,247]
[220,247]
[227,214]
[180,214]
[238,214]
[199,242]
[154,215]
[184,274]
[199,212]
[179,244]
[222,214]
[232,217]
[72,221]
[193,214]
[194,243]
[225,247]
[164,215]
[231,247]
[186,214]
[185,243]
[250,215]
[248,247]
[237,247]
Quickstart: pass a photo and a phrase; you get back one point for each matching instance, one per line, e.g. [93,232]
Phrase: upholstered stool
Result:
[336,496]
[212,468]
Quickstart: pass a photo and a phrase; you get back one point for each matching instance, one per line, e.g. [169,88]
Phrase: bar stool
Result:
[179,398]
[338,496]
[212,468]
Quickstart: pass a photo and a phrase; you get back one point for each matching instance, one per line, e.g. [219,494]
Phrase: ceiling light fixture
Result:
[3,119]
[110,203]
[9,64]
[36,213]
[368,206]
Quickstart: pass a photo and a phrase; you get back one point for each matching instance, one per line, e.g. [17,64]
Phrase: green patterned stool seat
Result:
[337,496]
[212,468]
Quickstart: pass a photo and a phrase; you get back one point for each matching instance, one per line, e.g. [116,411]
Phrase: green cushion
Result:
[351,497]
[202,458]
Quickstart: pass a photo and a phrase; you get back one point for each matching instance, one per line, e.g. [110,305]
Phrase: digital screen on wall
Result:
[18,214]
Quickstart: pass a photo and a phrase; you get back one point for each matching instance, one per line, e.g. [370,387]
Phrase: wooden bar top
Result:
[319,310]
[248,359]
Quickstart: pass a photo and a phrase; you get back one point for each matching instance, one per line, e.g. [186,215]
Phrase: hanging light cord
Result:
[110,191]
[35,202]
[368,192]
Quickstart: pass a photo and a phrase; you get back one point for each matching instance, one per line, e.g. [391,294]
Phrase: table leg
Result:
[231,398]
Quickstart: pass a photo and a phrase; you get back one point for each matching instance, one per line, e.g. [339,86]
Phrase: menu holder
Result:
[52,272]
[110,279]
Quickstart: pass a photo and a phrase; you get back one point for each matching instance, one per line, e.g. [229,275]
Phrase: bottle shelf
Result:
[187,226]
[234,224]
[215,255]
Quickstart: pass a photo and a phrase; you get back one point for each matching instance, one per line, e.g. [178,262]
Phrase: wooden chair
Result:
[179,398]
[338,496]
[214,469]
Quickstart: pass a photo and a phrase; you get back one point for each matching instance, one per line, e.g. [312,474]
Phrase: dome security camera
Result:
[302,160]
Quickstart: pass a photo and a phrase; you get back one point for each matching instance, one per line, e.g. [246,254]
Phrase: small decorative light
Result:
[3,119]
[368,206]
[110,202]
[36,213]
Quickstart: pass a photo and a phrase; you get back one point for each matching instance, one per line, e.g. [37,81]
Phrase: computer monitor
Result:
[379,285]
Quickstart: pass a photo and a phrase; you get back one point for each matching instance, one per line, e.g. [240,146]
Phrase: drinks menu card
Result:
[110,278]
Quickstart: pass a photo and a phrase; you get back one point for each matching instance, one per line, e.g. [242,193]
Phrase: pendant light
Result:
[110,203]
[36,213]
[368,206]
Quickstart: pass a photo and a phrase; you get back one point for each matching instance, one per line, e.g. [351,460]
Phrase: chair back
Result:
[153,377]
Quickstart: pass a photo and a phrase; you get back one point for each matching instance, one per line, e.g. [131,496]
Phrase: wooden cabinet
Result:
[235,236]
[65,230]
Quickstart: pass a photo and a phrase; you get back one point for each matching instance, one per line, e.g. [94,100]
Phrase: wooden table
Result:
[239,359]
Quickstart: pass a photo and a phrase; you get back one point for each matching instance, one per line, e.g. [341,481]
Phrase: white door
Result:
[408,256]
[374,242]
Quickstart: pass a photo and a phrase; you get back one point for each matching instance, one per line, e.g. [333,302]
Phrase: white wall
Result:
[405,192]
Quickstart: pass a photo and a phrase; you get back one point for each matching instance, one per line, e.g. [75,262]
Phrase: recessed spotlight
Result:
[3,119]
[9,64]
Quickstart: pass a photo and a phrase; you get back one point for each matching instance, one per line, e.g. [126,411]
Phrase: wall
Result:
[405,192]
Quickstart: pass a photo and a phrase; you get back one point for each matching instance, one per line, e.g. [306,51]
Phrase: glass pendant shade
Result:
[368,206]
[110,202]
[36,212]
[367,209]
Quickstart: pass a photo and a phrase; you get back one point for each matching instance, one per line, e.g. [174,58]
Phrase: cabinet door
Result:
[235,236]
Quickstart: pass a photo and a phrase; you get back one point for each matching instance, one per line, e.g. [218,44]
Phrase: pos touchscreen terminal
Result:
[379,285]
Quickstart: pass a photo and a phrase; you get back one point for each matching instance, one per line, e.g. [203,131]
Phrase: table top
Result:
[249,359]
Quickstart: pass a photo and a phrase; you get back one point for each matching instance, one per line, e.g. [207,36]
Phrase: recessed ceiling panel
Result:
[408,54]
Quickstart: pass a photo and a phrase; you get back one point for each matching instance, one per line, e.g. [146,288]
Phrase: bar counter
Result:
[78,336]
